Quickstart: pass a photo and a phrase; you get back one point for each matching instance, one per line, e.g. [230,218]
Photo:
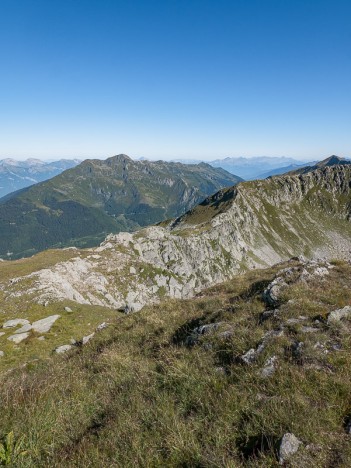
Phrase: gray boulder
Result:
[272,294]
[2,354]
[249,357]
[269,367]
[339,314]
[288,446]
[87,338]
[63,349]
[44,325]
[131,307]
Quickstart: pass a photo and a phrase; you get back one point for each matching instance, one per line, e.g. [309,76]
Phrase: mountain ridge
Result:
[16,175]
[83,204]
[252,225]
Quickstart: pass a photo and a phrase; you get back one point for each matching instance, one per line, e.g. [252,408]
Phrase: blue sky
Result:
[175,79]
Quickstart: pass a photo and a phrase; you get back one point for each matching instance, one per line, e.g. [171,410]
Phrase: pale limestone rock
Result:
[18,338]
[15,322]
[63,349]
[24,329]
[44,325]
[68,309]
[87,338]
[2,354]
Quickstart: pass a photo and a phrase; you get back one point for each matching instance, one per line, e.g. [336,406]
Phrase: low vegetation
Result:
[156,388]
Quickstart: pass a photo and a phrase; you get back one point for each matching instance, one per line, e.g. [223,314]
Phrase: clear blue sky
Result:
[175,78]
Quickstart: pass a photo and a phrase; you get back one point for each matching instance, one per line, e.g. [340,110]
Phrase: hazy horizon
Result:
[155,158]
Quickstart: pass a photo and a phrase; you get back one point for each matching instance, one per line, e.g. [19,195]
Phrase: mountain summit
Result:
[331,161]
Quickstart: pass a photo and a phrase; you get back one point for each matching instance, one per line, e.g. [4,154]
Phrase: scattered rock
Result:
[15,322]
[207,329]
[320,271]
[309,329]
[24,329]
[18,338]
[2,333]
[249,356]
[63,349]
[41,338]
[132,307]
[339,314]
[297,350]
[87,338]
[296,320]
[44,325]
[267,314]
[269,367]
[272,294]
[68,309]
[102,326]
[2,354]
[132,271]
[288,446]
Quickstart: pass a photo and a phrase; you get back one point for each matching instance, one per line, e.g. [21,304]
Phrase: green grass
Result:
[137,395]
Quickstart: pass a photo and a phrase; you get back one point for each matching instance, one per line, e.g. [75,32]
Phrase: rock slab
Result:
[44,325]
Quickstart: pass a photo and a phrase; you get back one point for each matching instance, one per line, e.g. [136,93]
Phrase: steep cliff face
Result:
[253,224]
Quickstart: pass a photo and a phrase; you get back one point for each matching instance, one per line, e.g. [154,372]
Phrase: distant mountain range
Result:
[258,167]
[15,175]
[83,204]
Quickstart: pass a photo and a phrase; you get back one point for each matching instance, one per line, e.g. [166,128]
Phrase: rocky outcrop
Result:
[254,224]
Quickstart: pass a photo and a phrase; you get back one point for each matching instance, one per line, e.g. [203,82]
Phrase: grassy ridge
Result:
[139,395]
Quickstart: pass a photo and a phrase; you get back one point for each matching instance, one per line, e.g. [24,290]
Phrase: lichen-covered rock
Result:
[272,294]
[339,314]
[288,446]
[269,367]
[249,357]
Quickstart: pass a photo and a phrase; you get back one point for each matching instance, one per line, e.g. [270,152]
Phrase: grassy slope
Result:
[137,395]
